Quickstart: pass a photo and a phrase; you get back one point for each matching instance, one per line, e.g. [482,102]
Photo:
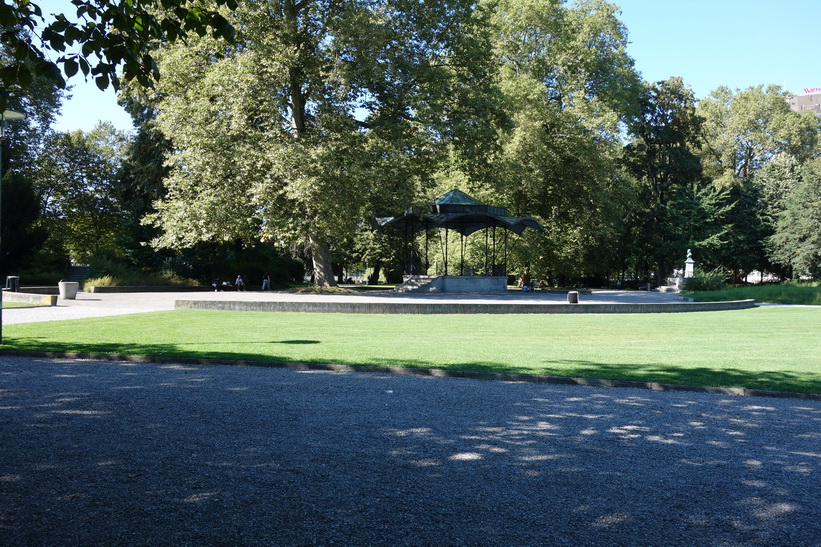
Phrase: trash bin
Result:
[13,283]
[68,289]
[573,297]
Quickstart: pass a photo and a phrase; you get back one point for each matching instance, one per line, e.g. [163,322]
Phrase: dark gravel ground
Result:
[102,453]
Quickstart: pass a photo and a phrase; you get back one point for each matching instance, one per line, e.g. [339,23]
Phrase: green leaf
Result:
[51,71]
[22,51]
[102,81]
[7,16]
[84,66]
[8,75]
[70,67]
[24,76]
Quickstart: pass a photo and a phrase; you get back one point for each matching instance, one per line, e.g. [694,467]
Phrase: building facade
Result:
[810,100]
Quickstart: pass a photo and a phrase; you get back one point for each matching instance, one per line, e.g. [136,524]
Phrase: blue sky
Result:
[737,43]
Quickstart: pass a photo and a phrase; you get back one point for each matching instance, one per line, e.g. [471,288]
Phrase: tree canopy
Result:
[292,123]
[103,39]
[316,111]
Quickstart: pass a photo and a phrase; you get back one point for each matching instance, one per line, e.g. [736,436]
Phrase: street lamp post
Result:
[7,115]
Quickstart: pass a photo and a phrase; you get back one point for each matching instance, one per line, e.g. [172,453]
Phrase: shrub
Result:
[104,281]
[715,280]
[43,269]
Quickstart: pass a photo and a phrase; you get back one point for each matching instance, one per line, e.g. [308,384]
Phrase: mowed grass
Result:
[776,348]
[806,293]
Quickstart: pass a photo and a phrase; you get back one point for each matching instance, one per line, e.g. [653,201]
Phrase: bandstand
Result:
[466,215]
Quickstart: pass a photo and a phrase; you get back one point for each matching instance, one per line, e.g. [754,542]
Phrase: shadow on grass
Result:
[656,372]
[661,373]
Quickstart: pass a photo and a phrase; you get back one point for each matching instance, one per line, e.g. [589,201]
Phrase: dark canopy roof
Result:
[457,211]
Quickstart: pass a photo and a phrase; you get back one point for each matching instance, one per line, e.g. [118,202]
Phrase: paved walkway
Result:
[103,304]
[102,453]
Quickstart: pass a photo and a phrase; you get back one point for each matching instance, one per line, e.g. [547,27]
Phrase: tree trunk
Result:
[295,76]
[321,258]
[373,279]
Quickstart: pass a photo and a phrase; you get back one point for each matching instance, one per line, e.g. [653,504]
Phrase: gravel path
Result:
[101,453]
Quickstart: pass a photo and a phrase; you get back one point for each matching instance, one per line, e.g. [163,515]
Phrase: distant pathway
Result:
[104,304]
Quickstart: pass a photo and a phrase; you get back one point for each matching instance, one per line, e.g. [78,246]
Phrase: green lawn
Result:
[807,293]
[765,348]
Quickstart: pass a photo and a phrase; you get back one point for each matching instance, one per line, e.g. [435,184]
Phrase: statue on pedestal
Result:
[689,265]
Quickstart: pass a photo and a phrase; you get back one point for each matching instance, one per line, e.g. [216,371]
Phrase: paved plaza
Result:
[102,304]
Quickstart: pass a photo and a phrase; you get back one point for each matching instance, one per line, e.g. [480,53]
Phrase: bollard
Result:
[573,297]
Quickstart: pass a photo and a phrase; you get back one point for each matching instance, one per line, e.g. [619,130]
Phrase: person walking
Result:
[266,282]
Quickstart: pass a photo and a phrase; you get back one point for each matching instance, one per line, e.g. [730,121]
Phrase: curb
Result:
[410,308]
[440,373]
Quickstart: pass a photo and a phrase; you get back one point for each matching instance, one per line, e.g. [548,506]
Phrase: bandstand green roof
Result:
[458,211]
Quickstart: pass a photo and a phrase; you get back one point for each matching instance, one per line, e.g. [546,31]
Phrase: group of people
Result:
[239,283]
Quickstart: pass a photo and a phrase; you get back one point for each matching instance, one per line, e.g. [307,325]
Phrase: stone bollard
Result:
[573,297]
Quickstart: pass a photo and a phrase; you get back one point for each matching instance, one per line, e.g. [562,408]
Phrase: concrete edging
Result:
[440,373]
[144,288]
[461,307]
[30,298]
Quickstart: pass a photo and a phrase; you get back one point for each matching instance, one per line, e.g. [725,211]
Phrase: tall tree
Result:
[75,181]
[21,235]
[797,239]
[568,83]
[318,108]
[22,148]
[662,159]
[743,130]
[773,184]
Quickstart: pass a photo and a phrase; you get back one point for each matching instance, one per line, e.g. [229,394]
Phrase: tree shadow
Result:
[185,454]
[773,380]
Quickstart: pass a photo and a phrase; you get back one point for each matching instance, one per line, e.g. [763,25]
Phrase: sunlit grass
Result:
[765,348]
[805,293]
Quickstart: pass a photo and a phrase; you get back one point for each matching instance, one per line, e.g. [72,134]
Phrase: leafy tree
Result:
[743,130]
[111,35]
[797,239]
[22,147]
[75,182]
[568,83]
[139,182]
[21,237]
[774,183]
[317,113]
[744,249]
[663,161]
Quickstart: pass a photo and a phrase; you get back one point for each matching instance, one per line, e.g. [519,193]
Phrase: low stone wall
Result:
[30,298]
[454,308]
[145,288]
[454,283]
[50,289]
[470,284]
